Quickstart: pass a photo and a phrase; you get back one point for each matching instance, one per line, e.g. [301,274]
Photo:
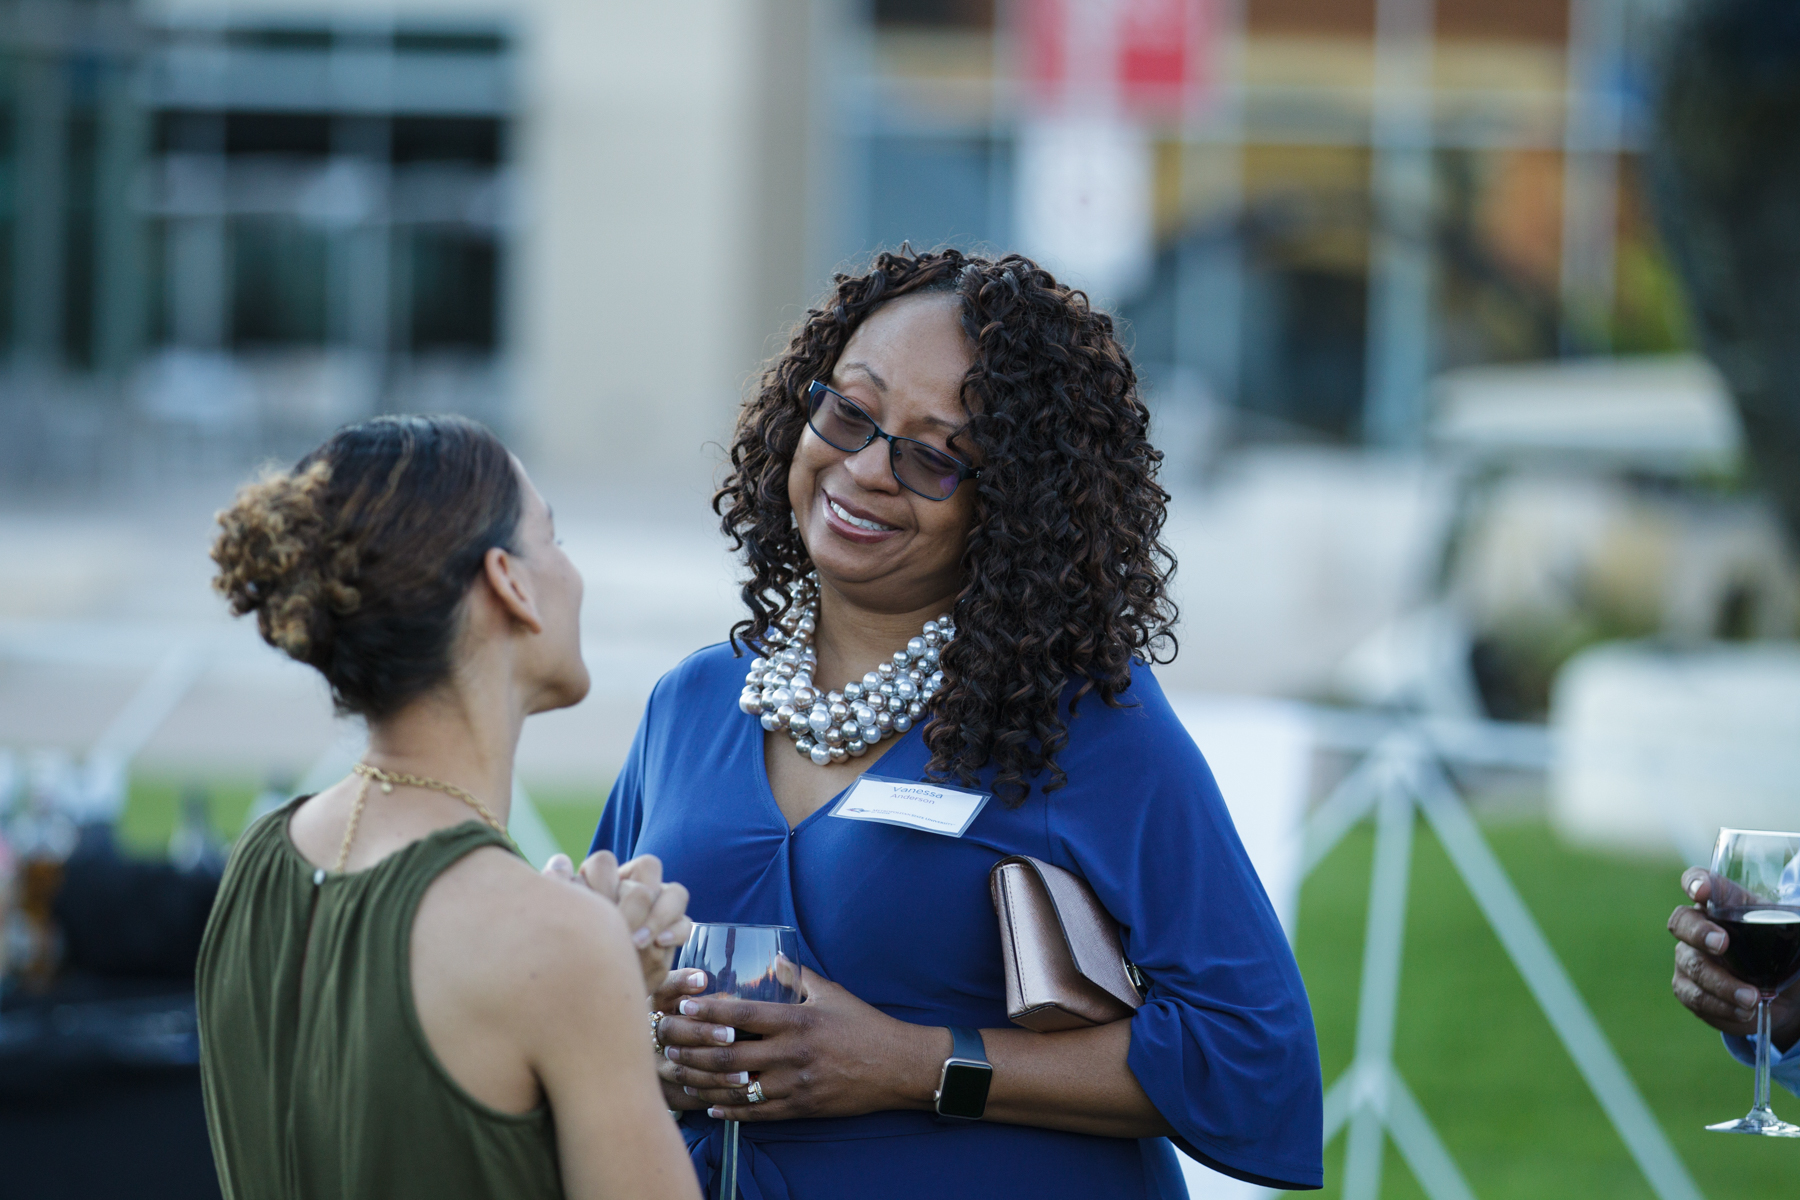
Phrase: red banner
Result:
[1144,56]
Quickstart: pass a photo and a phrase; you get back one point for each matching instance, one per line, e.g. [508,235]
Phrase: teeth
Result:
[872,526]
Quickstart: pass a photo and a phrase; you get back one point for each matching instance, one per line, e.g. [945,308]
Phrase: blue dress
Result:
[1223,1045]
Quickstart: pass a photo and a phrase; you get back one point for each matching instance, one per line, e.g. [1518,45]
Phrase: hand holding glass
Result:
[1755,898]
[749,962]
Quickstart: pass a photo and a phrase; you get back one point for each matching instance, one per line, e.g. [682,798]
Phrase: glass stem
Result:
[728,1175]
[1762,1052]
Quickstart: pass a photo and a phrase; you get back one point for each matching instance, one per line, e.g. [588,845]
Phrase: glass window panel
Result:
[9,199]
[179,132]
[6,279]
[306,135]
[280,39]
[446,139]
[79,231]
[431,41]
[451,279]
[278,269]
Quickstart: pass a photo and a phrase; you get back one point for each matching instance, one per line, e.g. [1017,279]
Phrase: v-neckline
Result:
[768,790]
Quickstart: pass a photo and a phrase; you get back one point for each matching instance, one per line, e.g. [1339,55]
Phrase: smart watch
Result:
[963,1086]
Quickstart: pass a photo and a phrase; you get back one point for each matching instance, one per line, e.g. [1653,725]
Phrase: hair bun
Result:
[270,562]
[358,561]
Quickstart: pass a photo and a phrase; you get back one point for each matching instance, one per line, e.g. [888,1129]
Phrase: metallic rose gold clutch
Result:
[1065,967]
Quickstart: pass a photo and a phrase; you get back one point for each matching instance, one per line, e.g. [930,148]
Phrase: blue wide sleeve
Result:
[1224,1044]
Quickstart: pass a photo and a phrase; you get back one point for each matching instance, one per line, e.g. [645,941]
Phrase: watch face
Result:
[965,1089]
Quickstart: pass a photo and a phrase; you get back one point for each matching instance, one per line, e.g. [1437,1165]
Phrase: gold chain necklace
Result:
[387,780]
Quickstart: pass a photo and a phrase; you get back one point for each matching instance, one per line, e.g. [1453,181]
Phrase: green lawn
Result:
[154,801]
[1484,1062]
[1472,1045]
[571,816]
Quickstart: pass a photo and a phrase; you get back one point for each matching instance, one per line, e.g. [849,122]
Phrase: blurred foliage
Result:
[1515,665]
[1482,1059]
[1650,315]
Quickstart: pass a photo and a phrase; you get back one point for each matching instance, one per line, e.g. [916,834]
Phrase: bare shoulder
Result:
[510,969]
[509,940]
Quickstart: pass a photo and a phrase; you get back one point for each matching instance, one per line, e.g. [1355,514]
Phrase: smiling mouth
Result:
[857,522]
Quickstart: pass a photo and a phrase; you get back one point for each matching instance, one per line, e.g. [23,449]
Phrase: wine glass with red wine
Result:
[1756,900]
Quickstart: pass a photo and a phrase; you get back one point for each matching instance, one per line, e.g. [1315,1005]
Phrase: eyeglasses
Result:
[919,468]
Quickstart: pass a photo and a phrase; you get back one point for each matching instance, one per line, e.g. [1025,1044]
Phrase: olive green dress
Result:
[319,1081]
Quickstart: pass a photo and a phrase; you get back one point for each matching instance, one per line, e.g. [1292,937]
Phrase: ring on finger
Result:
[754,1093]
[656,1020]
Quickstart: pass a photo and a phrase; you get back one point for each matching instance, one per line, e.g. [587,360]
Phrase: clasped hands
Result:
[831,1055]
[655,912]
[1706,987]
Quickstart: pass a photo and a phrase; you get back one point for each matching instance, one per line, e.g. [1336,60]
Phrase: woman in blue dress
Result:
[947,502]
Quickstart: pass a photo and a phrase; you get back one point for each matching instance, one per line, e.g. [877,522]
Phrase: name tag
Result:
[911,804]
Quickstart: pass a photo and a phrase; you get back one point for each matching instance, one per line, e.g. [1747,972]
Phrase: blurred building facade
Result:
[1364,194]
[231,229]
[227,227]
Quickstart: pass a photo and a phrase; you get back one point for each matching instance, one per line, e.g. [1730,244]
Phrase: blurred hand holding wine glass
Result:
[1706,986]
[1739,957]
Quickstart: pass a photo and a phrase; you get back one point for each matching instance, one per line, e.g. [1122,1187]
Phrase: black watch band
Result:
[963,1085]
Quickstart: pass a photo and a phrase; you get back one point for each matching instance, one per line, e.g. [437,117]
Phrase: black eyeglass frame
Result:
[819,387]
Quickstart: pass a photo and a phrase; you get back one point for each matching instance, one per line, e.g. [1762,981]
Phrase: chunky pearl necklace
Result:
[832,726]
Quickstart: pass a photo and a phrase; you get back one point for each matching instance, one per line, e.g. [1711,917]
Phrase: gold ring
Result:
[754,1093]
[656,1020]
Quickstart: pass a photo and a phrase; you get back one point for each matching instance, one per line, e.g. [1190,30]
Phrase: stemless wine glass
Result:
[750,962]
[1756,900]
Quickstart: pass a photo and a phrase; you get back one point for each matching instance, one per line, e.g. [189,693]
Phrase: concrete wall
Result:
[665,158]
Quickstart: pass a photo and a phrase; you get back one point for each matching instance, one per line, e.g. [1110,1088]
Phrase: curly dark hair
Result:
[1067,578]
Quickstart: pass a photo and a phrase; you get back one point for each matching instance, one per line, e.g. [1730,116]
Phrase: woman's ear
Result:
[511,588]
